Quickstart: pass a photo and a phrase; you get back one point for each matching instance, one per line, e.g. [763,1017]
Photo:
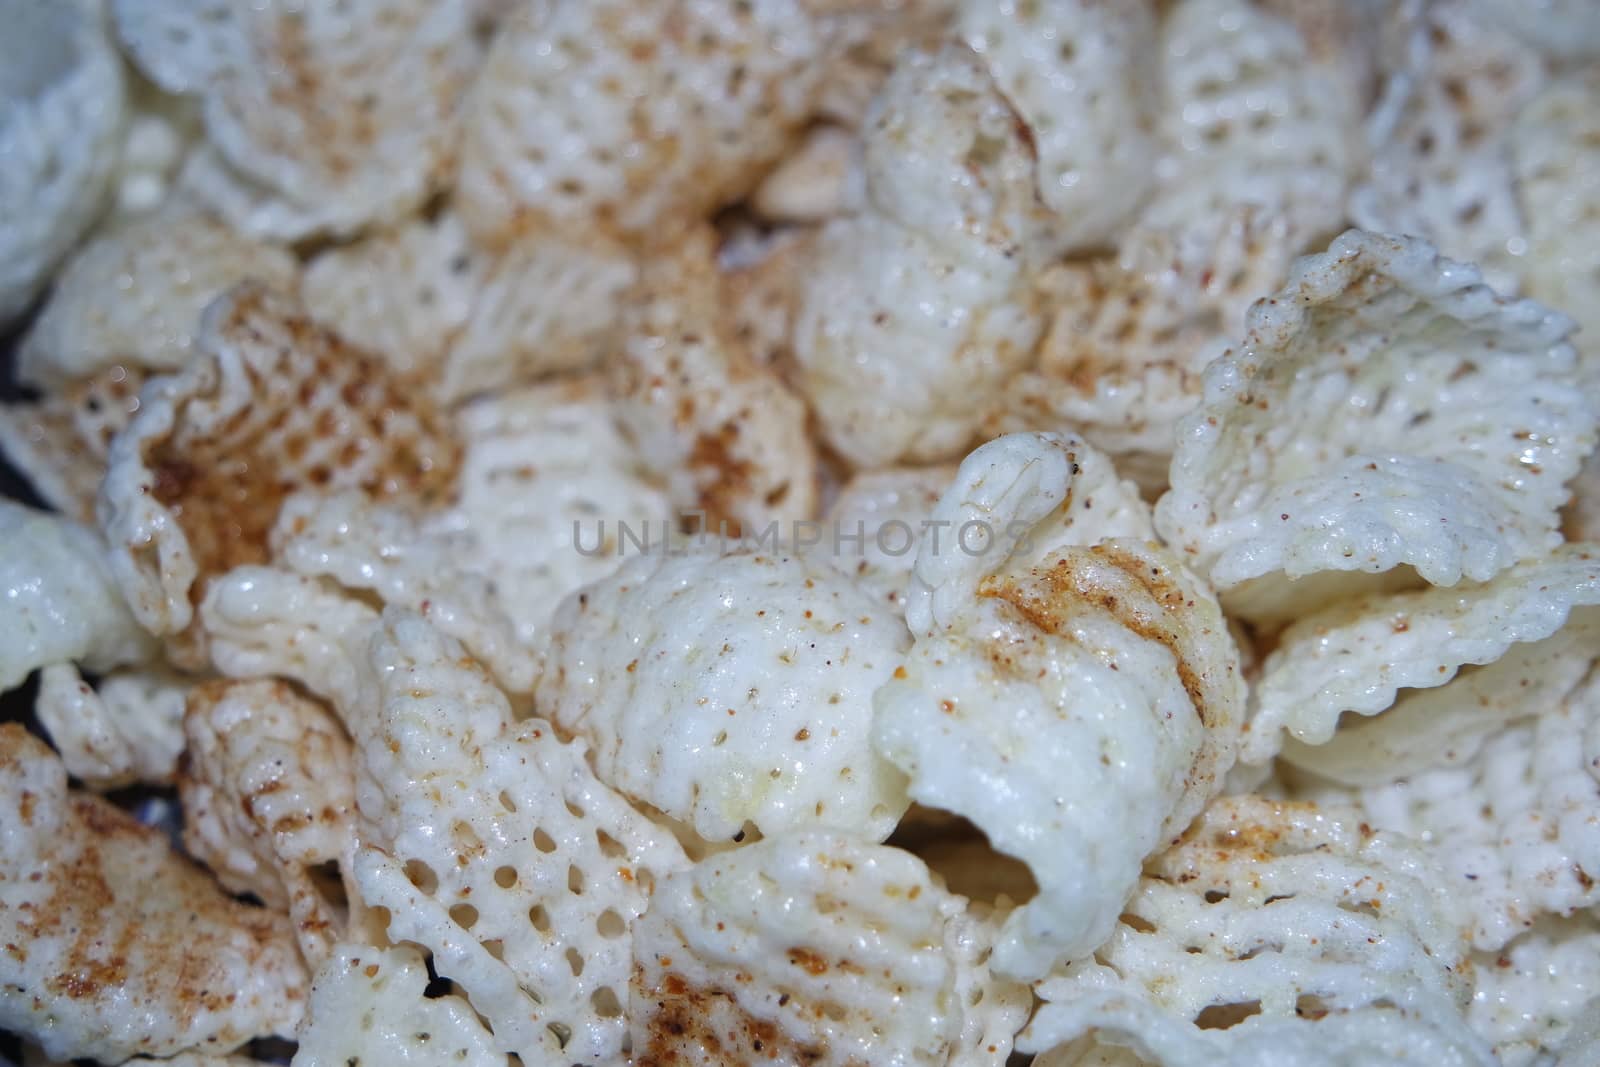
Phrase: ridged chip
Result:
[1535,999]
[885,509]
[127,728]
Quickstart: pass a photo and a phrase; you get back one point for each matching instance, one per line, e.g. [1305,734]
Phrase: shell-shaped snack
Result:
[119,945]
[1384,410]
[817,949]
[1079,703]
[127,728]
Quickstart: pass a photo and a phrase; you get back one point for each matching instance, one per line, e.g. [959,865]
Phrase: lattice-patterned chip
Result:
[60,601]
[114,944]
[61,114]
[320,118]
[126,729]
[498,850]
[914,313]
[1078,704]
[272,403]
[1385,409]
[637,118]
[816,949]
[731,691]
[1534,996]
[1275,933]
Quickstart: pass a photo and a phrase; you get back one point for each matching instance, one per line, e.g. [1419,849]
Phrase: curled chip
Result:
[319,118]
[731,691]
[117,946]
[1386,653]
[816,949]
[369,1006]
[271,403]
[1078,704]
[126,729]
[722,430]
[632,117]
[61,603]
[1082,76]
[134,296]
[268,791]
[1275,933]
[881,513]
[1533,1002]
[61,114]
[494,846]
[915,312]
[1384,409]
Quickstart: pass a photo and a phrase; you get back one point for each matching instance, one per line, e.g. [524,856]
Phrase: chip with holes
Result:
[816,949]
[1385,409]
[731,691]
[1275,933]
[1534,998]
[127,728]
[115,944]
[1078,704]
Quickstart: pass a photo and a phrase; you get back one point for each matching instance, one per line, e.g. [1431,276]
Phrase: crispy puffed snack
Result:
[816,949]
[369,1008]
[1534,1001]
[632,118]
[61,116]
[268,788]
[271,403]
[885,509]
[160,132]
[1384,410]
[1079,704]
[128,728]
[914,312]
[731,691]
[494,846]
[1564,29]
[117,946]
[820,179]
[61,602]
[320,117]
[1275,933]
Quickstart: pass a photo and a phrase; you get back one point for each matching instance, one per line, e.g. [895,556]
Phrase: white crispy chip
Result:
[268,788]
[1384,409]
[1442,171]
[1360,654]
[60,601]
[816,949]
[1566,29]
[1079,705]
[913,313]
[320,117]
[61,114]
[886,510]
[161,131]
[1581,521]
[1083,76]
[821,179]
[1275,933]
[270,404]
[368,1009]
[114,944]
[1535,997]
[723,431]
[134,296]
[731,690]
[127,729]
[497,849]
[637,117]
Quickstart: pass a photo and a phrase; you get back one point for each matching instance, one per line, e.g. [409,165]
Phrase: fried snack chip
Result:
[495,847]
[61,601]
[1534,998]
[134,296]
[369,1007]
[320,118]
[115,945]
[270,404]
[816,949]
[723,431]
[127,729]
[886,508]
[1385,409]
[731,691]
[1083,77]
[915,312]
[1078,704]
[1381,655]
[268,789]
[818,181]
[61,115]
[1275,933]
[160,132]
[1563,29]
[632,118]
